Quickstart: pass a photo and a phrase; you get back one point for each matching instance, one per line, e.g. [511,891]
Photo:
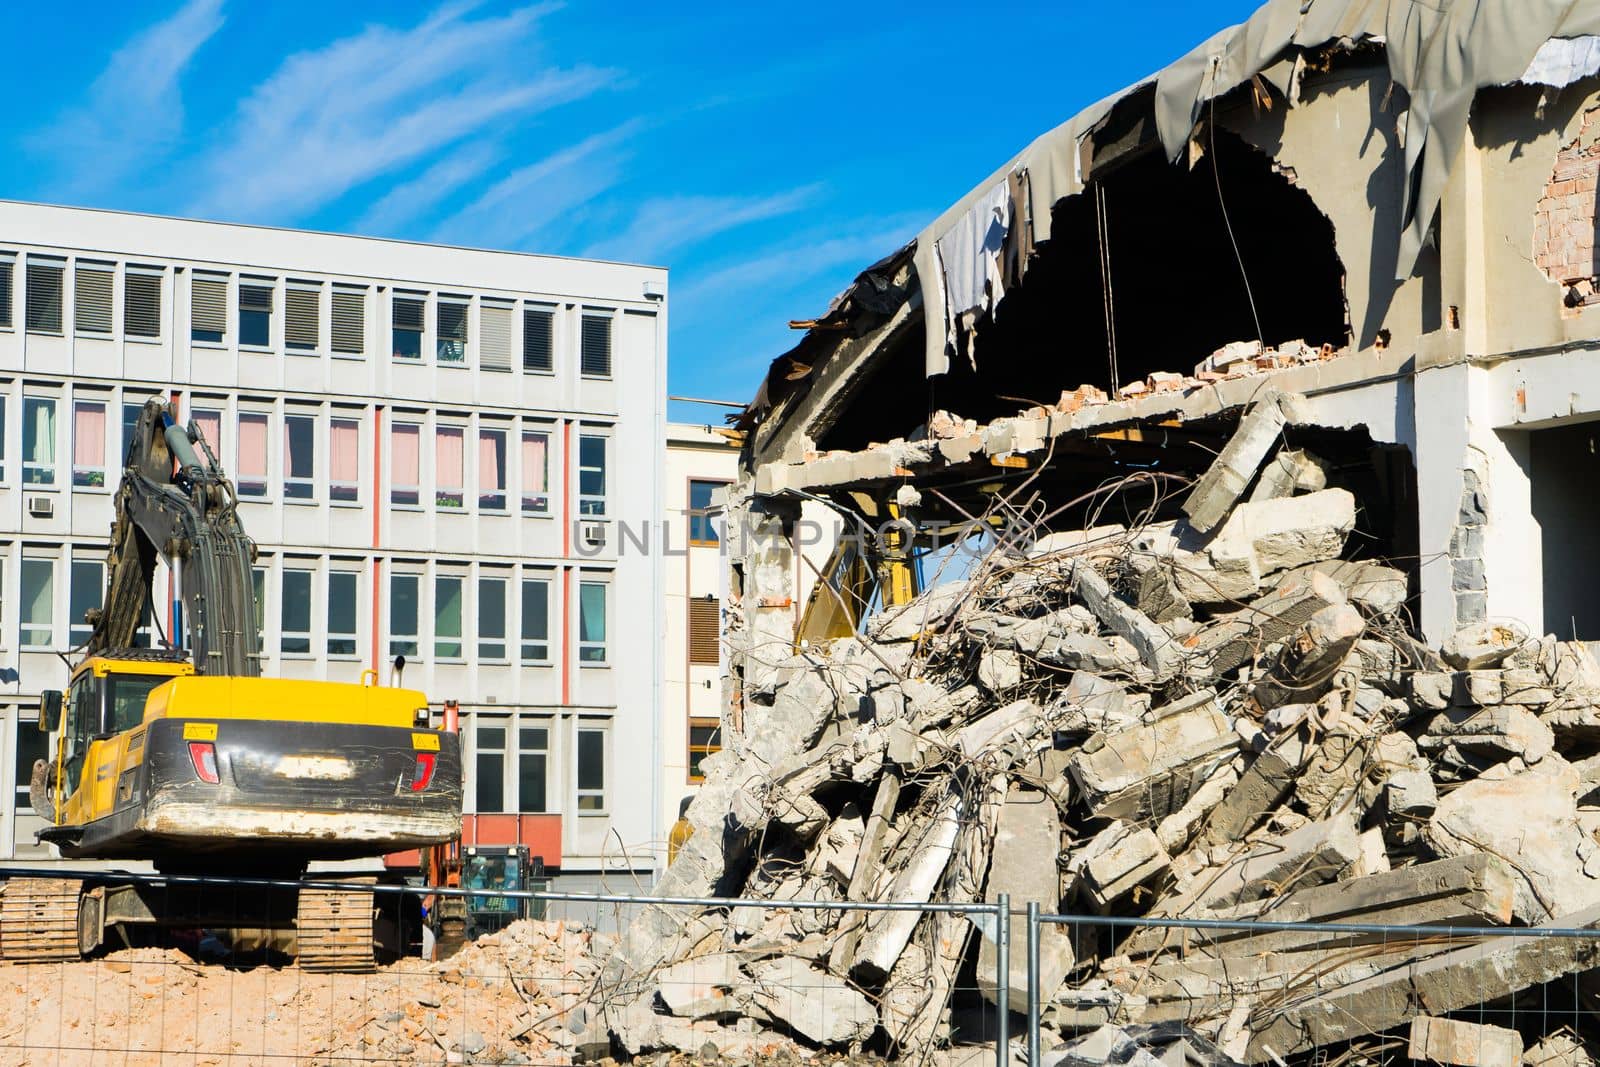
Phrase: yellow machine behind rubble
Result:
[189,759]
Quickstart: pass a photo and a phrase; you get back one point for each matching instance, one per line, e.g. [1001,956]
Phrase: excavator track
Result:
[39,920]
[333,929]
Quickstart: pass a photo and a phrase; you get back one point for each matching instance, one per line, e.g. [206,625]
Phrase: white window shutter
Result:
[91,298]
[141,302]
[494,337]
[350,321]
[302,325]
[208,299]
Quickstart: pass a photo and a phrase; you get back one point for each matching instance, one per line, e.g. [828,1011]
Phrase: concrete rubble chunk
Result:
[1289,532]
[1022,862]
[1131,858]
[928,611]
[1560,1049]
[1305,669]
[1235,639]
[1156,648]
[1498,732]
[1315,853]
[814,1003]
[1482,645]
[1290,471]
[1225,481]
[1375,587]
[1528,818]
[699,988]
[1149,771]
[1465,1043]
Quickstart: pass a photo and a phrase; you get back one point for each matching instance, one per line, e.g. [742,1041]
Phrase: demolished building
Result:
[1214,492]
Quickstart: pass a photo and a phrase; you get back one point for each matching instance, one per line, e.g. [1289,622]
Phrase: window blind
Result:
[208,303]
[302,312]
[91,298]
[596,354]
[44,297]
[350,321]
[494,337]
[141,303]
[408,313]
[705,622]
[538,340]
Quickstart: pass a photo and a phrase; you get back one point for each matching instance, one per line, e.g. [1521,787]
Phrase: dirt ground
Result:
[505,999]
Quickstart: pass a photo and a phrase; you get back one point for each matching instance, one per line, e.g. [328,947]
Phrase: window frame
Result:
[440,493]
[524,640]
[506,724]
[8,291]
[27,628]
[581,792]
[587,501]
[44,265]
[349,292]
[495,503]
[421,330]
[303,639]
[49,482]
[548,311]
[484,642]
[587,646]
[701,722]
[455,302]
[130,272]
[239,479]
[597,315]
[341,569]
[397,488]
[85,295]
[98,589]
[87,473]
[295,291]
[342,493]
[395,638]
[221,280]
[441,653]
[525,750]
[707,513]
[303,489]
[547,432]
[257,285]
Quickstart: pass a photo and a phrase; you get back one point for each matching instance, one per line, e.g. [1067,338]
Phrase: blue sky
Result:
[764,153]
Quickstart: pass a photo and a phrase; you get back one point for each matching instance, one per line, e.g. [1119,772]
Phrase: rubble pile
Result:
[1224,715]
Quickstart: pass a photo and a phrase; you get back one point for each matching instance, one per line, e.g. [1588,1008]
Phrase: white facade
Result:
[699,463]
[432,445]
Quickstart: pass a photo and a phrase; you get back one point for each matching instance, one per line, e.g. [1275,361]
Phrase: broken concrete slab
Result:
[1464,1043]
[1305,667]
[1375,587]
[1290,471]
[1498,732]
[886,933]
[1235,639]
[702,987]
[1156,648]
[1225,481]
[812,1002]
[1023,864]
[1132,857]
[1528,818]
[1315,853]
[1290,532]
[928,611]
[1560,1049]
[1482,645]
[1149,771]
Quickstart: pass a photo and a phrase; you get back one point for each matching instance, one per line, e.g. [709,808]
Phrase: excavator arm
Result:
[176,506]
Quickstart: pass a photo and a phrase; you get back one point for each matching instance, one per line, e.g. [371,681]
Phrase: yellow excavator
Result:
[186,757]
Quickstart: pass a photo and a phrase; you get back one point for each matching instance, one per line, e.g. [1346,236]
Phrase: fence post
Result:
[1033,983]
[1002,992]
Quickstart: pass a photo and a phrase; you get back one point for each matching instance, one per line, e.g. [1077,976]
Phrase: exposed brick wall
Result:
[1564,221]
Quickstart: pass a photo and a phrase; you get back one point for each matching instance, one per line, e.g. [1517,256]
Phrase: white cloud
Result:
[533,196]
[408,201]
[329,120]
[133,111]
[665,224]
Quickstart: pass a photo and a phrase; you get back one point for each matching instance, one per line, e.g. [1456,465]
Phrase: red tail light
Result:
[422,774]
[203,754]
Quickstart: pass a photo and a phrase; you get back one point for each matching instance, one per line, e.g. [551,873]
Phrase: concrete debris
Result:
[1217,716]
[1464,1043]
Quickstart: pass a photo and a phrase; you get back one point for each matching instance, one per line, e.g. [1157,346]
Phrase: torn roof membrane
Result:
[1440,54]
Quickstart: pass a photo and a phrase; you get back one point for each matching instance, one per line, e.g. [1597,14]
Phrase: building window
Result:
[85,590]
[591,770]
[447,617]
[89,444]
[448,461]
[403,614]
[130,422]
[702,526]
[450,346]
[38,614]
[91,298]
[33,744]
[596,355]
[535,472]
[299,456]
[591,475]
[705,737]
[492,618]
[492,470]
[533,762]
[591,622]
[3,406]
[344,467]
[252,472]
[405,440]
[349,321]
[494,336]
[258,593]
[538,340]
[7,267]
[406,327]
[490,763]
[705,630]
[38,440]
[342,587]
[208,308]
[535,620]
[294,607]
[209,422]
[141,301]
[44,297]
[302,316]
[255,314]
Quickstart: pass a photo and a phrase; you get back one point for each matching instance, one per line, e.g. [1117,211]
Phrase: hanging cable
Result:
[1216,174]
[1102,229]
